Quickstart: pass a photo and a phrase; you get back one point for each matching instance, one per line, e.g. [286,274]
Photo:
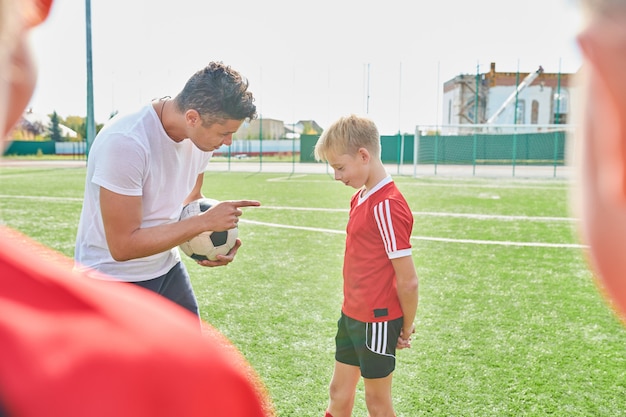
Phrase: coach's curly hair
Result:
[218,93]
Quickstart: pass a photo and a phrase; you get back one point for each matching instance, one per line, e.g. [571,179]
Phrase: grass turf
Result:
[505,326]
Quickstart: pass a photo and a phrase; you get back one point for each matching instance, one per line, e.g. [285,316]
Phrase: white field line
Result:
[332,210]
[522,184]
[290,177]
[501,243]
[437,214]
[525,185]
[286,226]
[425,238]
[40,197]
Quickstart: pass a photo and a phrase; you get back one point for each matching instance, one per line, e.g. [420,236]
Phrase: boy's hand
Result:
[404,340]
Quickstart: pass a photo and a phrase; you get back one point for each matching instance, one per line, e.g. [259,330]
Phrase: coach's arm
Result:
[122,219]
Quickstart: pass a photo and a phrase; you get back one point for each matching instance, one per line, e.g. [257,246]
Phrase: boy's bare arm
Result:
[407,281]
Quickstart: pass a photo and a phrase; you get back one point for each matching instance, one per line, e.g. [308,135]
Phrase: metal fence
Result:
[452,150]
[516,149]
[537,151]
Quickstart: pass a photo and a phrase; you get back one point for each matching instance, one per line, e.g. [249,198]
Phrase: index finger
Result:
[246,203]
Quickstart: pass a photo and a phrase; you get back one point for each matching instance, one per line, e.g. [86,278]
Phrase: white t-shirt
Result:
[132,155]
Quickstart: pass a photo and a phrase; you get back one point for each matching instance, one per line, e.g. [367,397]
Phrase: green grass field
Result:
[510,321]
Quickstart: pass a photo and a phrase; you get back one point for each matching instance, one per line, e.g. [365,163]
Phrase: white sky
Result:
[304,60]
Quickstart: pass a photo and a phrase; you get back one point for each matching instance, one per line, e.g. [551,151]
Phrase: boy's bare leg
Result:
[343,389]
[378,396]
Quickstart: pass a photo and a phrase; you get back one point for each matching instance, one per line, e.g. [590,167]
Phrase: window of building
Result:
[561,106]
[534,112]
[521,112]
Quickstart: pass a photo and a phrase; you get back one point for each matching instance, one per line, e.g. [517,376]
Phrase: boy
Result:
[380,283]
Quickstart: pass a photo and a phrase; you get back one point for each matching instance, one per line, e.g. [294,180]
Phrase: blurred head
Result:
[601,145]
[17,69]
[603,7]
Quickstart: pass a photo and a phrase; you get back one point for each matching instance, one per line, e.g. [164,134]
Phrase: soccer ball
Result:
[207,245]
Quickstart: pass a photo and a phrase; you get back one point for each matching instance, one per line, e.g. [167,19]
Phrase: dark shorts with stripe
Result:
[370,346]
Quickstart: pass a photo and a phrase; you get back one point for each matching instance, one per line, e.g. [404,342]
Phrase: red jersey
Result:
[379,229]
[72,346]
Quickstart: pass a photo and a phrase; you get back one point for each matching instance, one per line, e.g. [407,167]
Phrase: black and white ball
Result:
[207,245]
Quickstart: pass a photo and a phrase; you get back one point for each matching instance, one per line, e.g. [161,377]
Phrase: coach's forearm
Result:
[149,241]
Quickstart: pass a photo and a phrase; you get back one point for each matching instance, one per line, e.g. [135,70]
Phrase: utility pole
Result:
[91,124]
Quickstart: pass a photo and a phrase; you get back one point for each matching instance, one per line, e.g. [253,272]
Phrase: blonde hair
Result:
[346,136]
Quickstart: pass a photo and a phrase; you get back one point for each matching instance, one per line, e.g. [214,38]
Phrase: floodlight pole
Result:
[367,92]
[91,125]
[476,96]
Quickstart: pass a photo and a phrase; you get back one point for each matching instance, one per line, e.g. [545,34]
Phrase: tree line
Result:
[40,131]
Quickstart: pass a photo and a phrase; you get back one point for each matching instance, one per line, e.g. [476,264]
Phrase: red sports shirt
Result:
[76,347]
[379,229]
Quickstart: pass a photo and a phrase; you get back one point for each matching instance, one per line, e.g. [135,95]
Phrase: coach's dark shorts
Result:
[370,346]
[175,286]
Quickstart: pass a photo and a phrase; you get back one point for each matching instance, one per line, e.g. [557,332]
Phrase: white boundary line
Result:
[426,238]
[40,197]
[333,210]
[436,214]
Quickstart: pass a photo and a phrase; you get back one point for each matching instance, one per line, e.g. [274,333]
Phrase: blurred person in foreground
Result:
[76,347]
[600,192]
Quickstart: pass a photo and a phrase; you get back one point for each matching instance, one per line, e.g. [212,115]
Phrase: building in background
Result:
[272,129]
[261,128]
[507,98]
[303,127]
